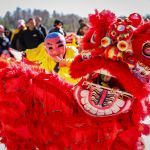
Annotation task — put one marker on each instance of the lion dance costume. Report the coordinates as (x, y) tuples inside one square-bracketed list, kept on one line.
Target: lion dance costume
[(104, 111)]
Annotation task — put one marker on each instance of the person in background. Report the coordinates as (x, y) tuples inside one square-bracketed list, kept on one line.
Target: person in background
[(15, 43), (39, 25), (81, 22), (16, 30), (82, 29), (4, 42), (80, 33), (8, 33), (58, 27), (31, 37)]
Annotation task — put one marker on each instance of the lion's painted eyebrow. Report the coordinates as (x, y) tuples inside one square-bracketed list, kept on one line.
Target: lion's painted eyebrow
[(60, 41), (49, 44)]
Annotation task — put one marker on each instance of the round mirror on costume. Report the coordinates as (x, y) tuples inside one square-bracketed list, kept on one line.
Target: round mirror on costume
[(146, 49)]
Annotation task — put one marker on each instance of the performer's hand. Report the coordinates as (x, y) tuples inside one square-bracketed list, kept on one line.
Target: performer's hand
[(63, 63)]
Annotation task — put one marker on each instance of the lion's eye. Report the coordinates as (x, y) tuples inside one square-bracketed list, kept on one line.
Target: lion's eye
[(146, 49)]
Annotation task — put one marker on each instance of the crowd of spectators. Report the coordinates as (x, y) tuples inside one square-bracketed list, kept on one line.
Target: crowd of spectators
[(29, 34)]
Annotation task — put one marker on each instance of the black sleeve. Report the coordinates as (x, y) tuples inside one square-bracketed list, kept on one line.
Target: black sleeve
[(13, 42), (22, 42), (44, 31), (41, 37)]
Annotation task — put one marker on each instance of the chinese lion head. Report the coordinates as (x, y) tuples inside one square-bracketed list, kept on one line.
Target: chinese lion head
[(114, 64)]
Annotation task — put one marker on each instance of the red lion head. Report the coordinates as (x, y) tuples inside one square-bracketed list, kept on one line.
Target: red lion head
[(114, 64)]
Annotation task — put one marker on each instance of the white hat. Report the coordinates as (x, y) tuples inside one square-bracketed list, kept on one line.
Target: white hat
[(20, 23), (1, 28)]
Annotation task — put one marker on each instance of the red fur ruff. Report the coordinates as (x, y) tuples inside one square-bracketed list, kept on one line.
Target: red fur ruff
[(38, 111), (99, 25), (3, 63)]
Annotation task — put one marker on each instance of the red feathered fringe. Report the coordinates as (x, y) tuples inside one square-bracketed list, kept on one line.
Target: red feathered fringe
[(99, 23), (38, 111), (3, 63)]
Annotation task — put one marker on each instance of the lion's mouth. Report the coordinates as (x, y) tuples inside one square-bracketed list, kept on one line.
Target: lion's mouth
[(101, 99)]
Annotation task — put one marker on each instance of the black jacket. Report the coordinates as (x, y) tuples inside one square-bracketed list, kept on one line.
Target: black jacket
[(4, 44), (31, 38), (42, 29), (16, 41)]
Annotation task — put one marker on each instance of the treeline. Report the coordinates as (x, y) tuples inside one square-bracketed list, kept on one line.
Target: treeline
[(70, 20)]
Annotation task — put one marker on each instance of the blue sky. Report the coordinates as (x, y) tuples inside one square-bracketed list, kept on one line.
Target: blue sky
[(79, 7)]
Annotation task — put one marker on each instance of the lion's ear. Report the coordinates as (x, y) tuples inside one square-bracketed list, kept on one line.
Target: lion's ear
[(141, 43), (99, 23), (136, 19)]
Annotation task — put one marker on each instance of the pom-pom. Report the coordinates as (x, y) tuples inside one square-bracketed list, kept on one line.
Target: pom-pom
[(105, 42), (122, 45), (136, 19)]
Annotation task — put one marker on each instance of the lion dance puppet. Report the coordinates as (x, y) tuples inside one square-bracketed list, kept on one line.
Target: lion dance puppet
[(104, 111)]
